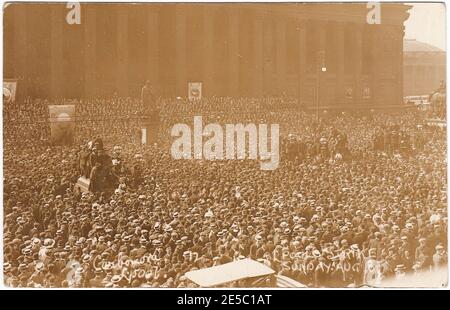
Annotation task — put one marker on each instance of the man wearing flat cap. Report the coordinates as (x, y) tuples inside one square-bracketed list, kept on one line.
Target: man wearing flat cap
[(440, 257)]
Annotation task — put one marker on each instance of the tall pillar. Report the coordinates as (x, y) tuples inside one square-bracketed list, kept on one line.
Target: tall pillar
[(180, 61), (372, 68), (122, 51), (90, 60), (302, 60), (399, 63), (208, 88), (281, 52), (57, 19), (358, 86), (233, 51), (376, 54), (340, 63), (322, 25), (258, 24), (322, 89), (153, 47), (268, 57), (20, 47)]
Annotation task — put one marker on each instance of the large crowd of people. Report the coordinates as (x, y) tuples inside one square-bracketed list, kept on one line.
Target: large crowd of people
[(358, 197)]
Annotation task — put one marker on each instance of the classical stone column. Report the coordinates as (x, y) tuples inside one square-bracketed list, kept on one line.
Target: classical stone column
[(358, 86), (258, 41), (180, 61), (340, 63), (122, 51), (19, 50), (376, 55), (57, 19), (371, 78), (233, 51), (322, 60), (322, 25), (302, 60), (153, 46), (281, 52), (399, 62), (90, 44), (208, 88), (268, 55)]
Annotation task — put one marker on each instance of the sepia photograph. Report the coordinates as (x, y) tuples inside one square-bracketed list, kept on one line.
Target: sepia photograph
[(224, 145)]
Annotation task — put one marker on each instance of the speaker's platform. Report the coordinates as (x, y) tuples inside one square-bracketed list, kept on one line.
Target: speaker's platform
[(83, 184)]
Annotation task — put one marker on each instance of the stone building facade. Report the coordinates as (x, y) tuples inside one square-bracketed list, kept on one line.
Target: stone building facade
[(233, 49), (424, 68)]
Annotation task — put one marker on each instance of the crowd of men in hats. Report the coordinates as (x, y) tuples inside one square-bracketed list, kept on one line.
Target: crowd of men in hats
[(391, 139), (321, 220), (335, 147)]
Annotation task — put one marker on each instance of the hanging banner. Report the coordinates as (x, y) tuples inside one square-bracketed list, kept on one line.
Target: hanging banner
[(62, 124), (195, 90), (9, 90)]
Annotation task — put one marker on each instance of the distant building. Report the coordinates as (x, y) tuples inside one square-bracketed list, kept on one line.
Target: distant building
[(423, 67)]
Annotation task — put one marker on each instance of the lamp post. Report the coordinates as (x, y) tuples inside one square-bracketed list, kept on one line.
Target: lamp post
[(320, 68)]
